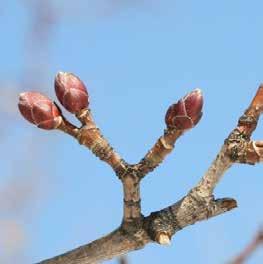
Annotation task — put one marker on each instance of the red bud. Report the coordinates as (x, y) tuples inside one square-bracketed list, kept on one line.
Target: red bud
[(186, 112), (71, 92), (39, 110)]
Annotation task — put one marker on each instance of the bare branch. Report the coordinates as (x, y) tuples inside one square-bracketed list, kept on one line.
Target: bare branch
[(198, 205), (238, 148), (163, 146), (249, 249), (115, 244), (132, 198), (90, 136), (135, 236)]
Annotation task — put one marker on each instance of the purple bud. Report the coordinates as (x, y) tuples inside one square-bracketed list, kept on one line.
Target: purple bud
[(39, 110), (71, 92), (186, 113)]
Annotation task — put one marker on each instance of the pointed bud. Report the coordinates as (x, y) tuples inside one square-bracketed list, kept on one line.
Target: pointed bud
[(39, 110), (186, 113), (71, 92)]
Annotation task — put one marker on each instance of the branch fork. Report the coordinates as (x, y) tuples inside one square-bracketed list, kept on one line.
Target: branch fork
[(136, 230)]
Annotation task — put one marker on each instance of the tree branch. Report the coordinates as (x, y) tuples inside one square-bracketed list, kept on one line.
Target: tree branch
[(90, 136), (163, 147), (249, 249), (114, 244), (237, 148), (199, 204), (180, 117)]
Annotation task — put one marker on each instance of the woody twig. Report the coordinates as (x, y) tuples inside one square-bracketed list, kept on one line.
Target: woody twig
[(136, 230)]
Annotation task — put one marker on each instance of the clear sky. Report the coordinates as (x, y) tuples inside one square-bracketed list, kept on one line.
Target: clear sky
[(137, 58)]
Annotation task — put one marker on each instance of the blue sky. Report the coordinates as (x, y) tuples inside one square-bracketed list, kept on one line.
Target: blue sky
[(136, 59)]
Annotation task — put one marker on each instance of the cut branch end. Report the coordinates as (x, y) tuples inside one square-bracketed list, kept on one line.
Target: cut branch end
[(163, 239)]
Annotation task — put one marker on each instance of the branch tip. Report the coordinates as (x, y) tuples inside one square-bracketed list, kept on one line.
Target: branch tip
[(39, 110), (228, 203), (71, 92)]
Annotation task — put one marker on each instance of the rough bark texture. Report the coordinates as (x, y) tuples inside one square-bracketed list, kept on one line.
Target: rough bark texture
[(114, 244), (199, 204)]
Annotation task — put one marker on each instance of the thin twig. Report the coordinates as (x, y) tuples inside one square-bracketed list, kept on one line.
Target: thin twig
[(198, 205), (249, 249)]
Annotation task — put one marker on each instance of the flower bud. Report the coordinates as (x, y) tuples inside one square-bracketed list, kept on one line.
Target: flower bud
[(39, 110), (186, 113), (71, 92)]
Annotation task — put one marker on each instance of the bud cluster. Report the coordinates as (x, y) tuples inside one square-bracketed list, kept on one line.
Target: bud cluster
[(42, 112), (72, 94)]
